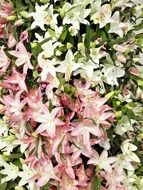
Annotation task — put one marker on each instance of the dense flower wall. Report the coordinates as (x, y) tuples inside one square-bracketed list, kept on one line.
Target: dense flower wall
[(71, 95)]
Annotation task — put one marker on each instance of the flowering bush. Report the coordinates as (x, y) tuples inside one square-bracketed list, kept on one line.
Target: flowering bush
[(71, 86)]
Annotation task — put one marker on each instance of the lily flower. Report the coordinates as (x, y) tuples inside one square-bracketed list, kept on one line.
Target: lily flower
[(4, 61), (48, 121), (102, 16), (17, 79), (11, 171), (102, 161), (23, 57)]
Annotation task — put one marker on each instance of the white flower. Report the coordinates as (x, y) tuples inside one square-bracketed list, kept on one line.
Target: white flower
[(73, 31), (105, 144), (39, 16), (75, 15), (124, 125), (112, 73), (102, 16), (68, 65), (11, 171), (125, 160), (3, 127), (102, 161), (47, 65), (128, 147), (8, 143), (86, 69), (51, 19), (96, 54), (118, 27), (26, 176)]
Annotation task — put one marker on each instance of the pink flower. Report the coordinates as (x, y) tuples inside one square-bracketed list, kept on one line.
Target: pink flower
[(17, 79), (23, 57), (114, 178), (48, 121), (11, 41), (19, 22), (34, 100), (81, 175), (4, 61), (65, 164), (68, 183), (24, 36), (78, 147), (94, 108), (6, 9), (13, 106), (68, 102), (45, 173), (61, 139), (85, 128)]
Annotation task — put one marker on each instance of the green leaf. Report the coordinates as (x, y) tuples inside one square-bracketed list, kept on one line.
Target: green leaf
[(36, 146), (45, 187), (63, 35), (88, 36), (50, 105), (15, 34), (96, 183), (103, 36), (11, 185), (3, 186)]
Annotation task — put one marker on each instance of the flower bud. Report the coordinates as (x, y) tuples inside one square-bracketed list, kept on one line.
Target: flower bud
[(11, 18)]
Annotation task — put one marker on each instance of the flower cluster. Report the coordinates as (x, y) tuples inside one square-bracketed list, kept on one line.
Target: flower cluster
[(71, 95)]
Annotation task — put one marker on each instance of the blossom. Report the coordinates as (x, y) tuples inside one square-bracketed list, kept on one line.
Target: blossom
[(4, 61), (23, 57), (70, 94), (75, 15), (65, 164), (51, 18), (8, 143), (46, 173), (82, 177), (68, 65), (48, 67), (102, 16), (48, 121), (86, 128), (112, 73), (124, 125), (13, 106), (16, 78), (11, 171), (6, 9), (26, 174), (125, 160), (68, 183), (39, 16), (118, 27), (102, 161)]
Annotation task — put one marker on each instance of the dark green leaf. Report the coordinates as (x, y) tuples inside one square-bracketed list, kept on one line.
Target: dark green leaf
[(88, 36), (36, 146), (63, 35), (96, 183)]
